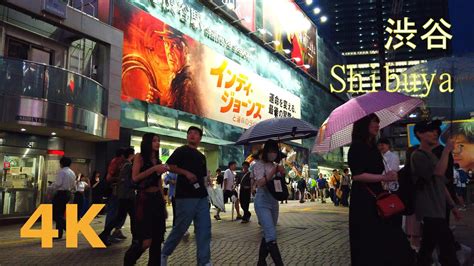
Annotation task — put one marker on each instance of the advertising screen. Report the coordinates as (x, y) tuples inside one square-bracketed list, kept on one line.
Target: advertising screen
[(163, 66)]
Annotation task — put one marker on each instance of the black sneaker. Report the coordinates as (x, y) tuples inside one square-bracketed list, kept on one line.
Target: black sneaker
[(118, 234), (217, 217), (244, 221), (239, 217), (105, 239)]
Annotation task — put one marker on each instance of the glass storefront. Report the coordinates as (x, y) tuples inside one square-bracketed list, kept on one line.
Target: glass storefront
[(21, 180)]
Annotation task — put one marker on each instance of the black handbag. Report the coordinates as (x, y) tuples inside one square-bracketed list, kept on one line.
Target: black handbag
[(278, 188)]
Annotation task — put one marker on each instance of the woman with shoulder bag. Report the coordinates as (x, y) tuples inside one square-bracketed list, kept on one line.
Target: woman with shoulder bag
[(374, 240), (266, 206)]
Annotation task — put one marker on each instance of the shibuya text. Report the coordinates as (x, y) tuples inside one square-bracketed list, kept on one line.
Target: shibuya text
[(410, 83)]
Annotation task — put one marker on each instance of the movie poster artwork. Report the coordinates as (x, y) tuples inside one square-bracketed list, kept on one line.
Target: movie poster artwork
[(292, 34), (163, 66)]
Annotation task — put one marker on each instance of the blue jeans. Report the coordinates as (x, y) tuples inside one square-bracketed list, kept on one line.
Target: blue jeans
[(267, 208), (191, 210)]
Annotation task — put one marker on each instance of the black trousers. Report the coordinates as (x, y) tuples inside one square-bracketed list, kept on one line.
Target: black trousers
[(150, 213), (345, 195), (125, 206), (79, 201), (60, 200), (245, 203), (436, 233)]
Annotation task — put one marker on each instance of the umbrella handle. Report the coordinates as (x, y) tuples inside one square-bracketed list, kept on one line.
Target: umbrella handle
[(293, 132)]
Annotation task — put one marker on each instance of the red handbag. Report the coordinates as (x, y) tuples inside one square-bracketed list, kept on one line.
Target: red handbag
[(387, 204)]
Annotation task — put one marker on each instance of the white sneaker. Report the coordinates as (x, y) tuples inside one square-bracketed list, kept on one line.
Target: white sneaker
[(186, 235), (164, 260), (463, 254), (208, 264)]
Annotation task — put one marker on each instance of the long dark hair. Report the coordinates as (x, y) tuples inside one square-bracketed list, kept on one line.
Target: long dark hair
[(360, 131), (270, 145), (146, 148)]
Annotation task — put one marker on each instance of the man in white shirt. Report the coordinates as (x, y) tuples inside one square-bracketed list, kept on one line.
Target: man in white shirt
[(390, 160), (229, 187), (64, 184)]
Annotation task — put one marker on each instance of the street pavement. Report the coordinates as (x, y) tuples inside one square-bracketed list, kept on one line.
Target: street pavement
[(308, 234)]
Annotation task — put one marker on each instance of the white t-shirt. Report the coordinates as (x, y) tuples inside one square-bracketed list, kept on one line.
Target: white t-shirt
[(229, 175), (392, 162), (261, 169), (81, 186)]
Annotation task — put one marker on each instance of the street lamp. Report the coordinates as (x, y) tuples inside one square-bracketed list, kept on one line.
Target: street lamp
[(316, 10), (306, 66), (324, 19), (246, 19), (261, 31), (276, 42), (228, 5), (309, 2), (297, 59)]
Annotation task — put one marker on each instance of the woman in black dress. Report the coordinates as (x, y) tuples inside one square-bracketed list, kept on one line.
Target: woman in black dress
[(373, 240), (150, 209)]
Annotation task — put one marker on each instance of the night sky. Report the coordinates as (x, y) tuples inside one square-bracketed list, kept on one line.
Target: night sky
[(462, 20), (461, 14)]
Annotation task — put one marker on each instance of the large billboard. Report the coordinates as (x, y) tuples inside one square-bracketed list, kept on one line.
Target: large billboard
[(242, 11), (163, 66), (291, 33), (462, 132)]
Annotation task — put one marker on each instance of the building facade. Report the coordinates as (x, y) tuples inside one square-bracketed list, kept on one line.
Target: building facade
[(59, 95)]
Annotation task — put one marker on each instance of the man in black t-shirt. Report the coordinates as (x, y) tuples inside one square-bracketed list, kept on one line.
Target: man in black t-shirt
[(192, 203), (245, 181)]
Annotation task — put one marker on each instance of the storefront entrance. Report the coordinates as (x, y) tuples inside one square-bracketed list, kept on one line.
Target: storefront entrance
[(21, 180)]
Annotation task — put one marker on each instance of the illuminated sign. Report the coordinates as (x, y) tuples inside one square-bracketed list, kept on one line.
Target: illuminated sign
[(194, 19), (161, 65)]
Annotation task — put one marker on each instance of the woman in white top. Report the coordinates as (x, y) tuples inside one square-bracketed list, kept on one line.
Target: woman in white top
[(266, 206), (81, 185)]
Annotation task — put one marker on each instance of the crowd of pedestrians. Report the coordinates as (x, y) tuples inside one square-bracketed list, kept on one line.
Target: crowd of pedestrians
[(134, 188)]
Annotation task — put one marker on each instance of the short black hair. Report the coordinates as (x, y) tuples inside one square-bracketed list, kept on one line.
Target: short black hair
[(384, 141), (65, 162), (335, 170), (231, 163), (246, 164), (196, 129), (119, 152), (346, 170), (218, 170), (128, 151)]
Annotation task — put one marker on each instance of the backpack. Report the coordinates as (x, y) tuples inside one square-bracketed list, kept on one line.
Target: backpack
[(126, 171), (407, 186)]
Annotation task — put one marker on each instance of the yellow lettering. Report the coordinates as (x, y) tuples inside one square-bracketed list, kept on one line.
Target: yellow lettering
[(388, 78), (351, 78), (426, 84), (449, 87), (46, 233), (74, 227), (338, 78)]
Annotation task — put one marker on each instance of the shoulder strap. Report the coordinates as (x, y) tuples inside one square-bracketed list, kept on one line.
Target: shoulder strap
[(370, 191)]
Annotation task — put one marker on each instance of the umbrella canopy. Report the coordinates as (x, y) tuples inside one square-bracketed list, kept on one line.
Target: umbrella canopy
[(460, 102), (279, 129), (336, 131)]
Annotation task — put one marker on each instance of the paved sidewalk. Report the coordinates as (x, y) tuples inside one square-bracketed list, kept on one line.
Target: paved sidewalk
[(308, 234)]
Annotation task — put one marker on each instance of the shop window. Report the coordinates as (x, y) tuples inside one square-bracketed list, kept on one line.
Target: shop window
[(19, 184)]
